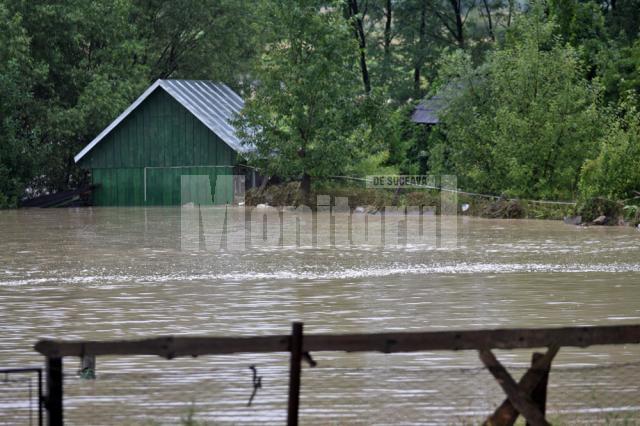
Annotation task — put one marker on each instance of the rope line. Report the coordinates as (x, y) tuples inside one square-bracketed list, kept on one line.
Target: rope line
[(457, 191)]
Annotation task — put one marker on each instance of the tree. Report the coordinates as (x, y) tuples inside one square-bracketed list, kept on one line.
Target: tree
[(90, 50), (100, 55), (19, 73), (356, 18), (623, 18), (523, 122), (615, 172), (305, 107), (421, 42), (619, 69), (208, 39)]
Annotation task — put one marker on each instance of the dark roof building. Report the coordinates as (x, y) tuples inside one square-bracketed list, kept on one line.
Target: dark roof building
[(427, 111), (175, 128)]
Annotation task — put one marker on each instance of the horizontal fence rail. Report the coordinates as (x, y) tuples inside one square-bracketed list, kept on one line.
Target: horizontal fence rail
[(171, 347), (526, 397)]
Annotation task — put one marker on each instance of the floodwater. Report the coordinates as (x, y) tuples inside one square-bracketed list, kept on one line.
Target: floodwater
[(120, 273)]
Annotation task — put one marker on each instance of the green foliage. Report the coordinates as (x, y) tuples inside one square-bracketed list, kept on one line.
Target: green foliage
[(526, 83), (619, 68), (405, 144), (524, 121), (197, 39), (19, 154), (615, 171), (623, 20), (631, 214), (308, 116), (578, 21), (373, 164), (69, 68), (592, 208)]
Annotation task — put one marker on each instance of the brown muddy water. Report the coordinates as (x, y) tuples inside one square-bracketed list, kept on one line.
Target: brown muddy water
[(120, 273)]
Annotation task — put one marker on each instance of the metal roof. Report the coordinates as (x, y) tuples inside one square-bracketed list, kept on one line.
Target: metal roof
[(427, 111), (214, 104)]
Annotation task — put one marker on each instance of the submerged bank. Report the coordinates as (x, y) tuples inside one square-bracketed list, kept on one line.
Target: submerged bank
[(373, 200), (594, 211)]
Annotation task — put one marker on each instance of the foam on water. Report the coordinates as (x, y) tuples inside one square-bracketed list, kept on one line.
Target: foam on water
[(345, 274)]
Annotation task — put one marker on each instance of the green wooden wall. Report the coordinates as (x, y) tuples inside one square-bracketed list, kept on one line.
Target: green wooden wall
[(140, 162)]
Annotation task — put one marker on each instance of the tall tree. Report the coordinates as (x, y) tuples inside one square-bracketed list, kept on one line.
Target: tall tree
[(20, 157), (100, 55), (301, 114), (356, 13), (525, 121), (453, 16), (89, 49), (388, 33), (420, 41), (615, 171), (213, 39)]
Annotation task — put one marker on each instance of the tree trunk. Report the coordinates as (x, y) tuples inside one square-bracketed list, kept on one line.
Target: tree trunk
[(511, 6), (419, 58), (456, 5), (305, 185), (387, 31), (305, 182), (353, 13), (489, 20)]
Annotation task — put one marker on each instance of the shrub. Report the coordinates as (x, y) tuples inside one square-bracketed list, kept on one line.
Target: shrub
[(592, 208), (615, 172)]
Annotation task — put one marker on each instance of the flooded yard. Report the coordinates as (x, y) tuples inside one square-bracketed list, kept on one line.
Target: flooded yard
[(119, 273)]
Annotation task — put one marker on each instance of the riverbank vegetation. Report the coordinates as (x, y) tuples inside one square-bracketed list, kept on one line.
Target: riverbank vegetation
[(541, 97), (374, 200)]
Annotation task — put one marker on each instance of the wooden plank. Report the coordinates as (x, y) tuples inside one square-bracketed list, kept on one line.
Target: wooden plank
[(132, 136), (173, 156), (146, 134), (165, 127), (139, 160), (186, 150), (506, 414), (539, 393), (138, 186), (520, 399), (106, 187), (212, 149), (475, 339), (167, 347), (119, 141), (54, 396), (171, 186), (121, 186), (377, 342), (96, 179), (295, 372)]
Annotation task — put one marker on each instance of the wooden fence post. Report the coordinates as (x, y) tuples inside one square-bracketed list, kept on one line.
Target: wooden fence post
[(539, 394), (40, 398), (54, 391), (294, 374), (88, 367)]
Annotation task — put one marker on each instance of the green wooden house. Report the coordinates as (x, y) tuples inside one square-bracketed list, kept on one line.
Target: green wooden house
[(176, 128)]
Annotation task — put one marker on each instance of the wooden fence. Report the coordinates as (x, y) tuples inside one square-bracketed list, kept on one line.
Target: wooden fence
[(526, 397)]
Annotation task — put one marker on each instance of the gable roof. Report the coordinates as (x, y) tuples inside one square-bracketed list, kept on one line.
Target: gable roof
[(429, 110), (214, 104)]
